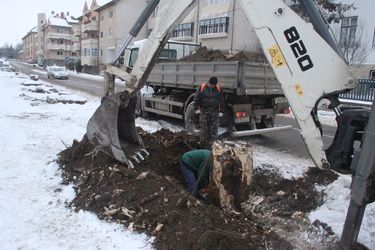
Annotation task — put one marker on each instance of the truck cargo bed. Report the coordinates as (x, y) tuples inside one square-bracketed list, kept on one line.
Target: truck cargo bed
[(243, 78)]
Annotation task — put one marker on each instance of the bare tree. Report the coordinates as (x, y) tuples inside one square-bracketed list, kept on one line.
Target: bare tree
[(331, 10), (354, 45)]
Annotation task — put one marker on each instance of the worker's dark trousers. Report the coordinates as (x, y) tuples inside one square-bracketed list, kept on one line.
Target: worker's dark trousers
[(189, 177), (209, 122)]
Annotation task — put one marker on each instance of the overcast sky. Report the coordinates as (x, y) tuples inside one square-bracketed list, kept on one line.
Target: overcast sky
[(20, 16)]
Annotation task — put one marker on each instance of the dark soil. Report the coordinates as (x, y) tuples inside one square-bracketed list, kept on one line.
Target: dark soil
[(205, 55), (152, 199)]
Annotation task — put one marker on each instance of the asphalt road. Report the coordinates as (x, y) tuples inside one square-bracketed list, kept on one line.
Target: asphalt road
[(92, 86), (289, 141)]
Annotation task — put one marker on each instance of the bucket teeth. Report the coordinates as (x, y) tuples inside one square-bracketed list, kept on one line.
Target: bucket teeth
[(130, 164), (136, 159), (145, 151), (140, 156)]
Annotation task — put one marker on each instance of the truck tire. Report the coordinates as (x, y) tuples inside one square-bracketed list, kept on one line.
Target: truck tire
[(266, 123), (192, 120)]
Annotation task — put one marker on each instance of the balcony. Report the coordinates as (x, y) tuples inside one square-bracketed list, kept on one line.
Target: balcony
[(64, 36), (76, 33), (76, 47), (63, 47), (91, 26), (75, 39), (90, 43)]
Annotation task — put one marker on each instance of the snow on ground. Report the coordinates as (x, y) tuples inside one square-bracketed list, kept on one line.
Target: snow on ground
[(33, 210), (288, 166), (333, 211)]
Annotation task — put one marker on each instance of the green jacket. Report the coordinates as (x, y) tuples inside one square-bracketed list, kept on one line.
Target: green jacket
[(200, 162)]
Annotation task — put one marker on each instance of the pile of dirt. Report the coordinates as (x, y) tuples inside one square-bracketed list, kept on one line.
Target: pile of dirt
[(151, 198), (205, 55)]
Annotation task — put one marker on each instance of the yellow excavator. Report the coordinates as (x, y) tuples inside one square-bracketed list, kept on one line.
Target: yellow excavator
[(308, 64)]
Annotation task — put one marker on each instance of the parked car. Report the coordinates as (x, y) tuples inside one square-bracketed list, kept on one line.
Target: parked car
[(57, 72), (5, 65)]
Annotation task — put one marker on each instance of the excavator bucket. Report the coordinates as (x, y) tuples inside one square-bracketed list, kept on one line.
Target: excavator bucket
[(112, 129)]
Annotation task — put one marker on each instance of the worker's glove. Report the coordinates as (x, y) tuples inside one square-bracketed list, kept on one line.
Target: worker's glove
[(221, 114), (197, 112)]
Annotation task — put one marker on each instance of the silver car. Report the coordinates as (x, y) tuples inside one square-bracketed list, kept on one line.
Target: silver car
[(57, 72)]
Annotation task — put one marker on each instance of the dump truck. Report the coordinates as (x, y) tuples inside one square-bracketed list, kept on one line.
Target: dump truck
[(252, 93)]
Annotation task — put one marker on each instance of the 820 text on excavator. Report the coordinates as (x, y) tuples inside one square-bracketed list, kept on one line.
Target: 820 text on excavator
[(306, 61)]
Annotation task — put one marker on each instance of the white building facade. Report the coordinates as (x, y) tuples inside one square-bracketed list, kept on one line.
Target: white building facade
[(357, 32)]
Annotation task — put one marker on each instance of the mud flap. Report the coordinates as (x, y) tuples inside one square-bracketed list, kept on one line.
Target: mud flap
[(112, 128)]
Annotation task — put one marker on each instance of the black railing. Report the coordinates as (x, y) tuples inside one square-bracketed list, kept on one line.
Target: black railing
[(365, 91)]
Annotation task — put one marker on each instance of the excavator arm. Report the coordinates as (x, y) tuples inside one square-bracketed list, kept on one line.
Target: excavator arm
[(305, 64), (112, 127), (307, 67)]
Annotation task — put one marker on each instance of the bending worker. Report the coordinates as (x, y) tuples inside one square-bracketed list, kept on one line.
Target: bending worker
[(208, 103), (195, 166)]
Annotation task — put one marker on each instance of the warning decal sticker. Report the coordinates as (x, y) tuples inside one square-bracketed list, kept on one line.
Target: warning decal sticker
[(277, 58)]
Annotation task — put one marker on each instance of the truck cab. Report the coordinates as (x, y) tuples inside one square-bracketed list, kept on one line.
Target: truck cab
[(173, 50)]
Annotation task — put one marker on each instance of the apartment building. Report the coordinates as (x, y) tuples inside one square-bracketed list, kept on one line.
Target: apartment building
[(56, 39), (75, 37), (116, 19), (89, 38), (217, 24), (30, 46)]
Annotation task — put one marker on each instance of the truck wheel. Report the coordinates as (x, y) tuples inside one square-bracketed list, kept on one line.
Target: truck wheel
[(192, 121), (266, 123)]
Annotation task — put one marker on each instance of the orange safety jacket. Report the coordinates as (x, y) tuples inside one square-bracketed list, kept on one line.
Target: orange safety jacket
[(208, 99)]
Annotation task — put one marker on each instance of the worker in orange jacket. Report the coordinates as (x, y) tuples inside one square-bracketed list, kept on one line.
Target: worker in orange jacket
[(208, 103)]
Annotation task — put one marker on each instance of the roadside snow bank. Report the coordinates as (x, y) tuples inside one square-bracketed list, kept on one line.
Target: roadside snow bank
[(33, 210), (333, 211)]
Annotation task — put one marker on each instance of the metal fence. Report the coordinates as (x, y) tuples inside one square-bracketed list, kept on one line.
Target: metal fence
[(365, 91)]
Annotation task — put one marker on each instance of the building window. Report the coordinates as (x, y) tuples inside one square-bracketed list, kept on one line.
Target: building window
[(102, 18), (184, 30), (101, 52), (110, 32), (348, 30), (59, 53), (101, 34), (373, 41), (94, 52), (215, 25), (61, 41), (111, 13), (86, 52)]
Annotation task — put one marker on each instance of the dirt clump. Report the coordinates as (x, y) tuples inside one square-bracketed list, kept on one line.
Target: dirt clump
[(205, 55), (151, 197)]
